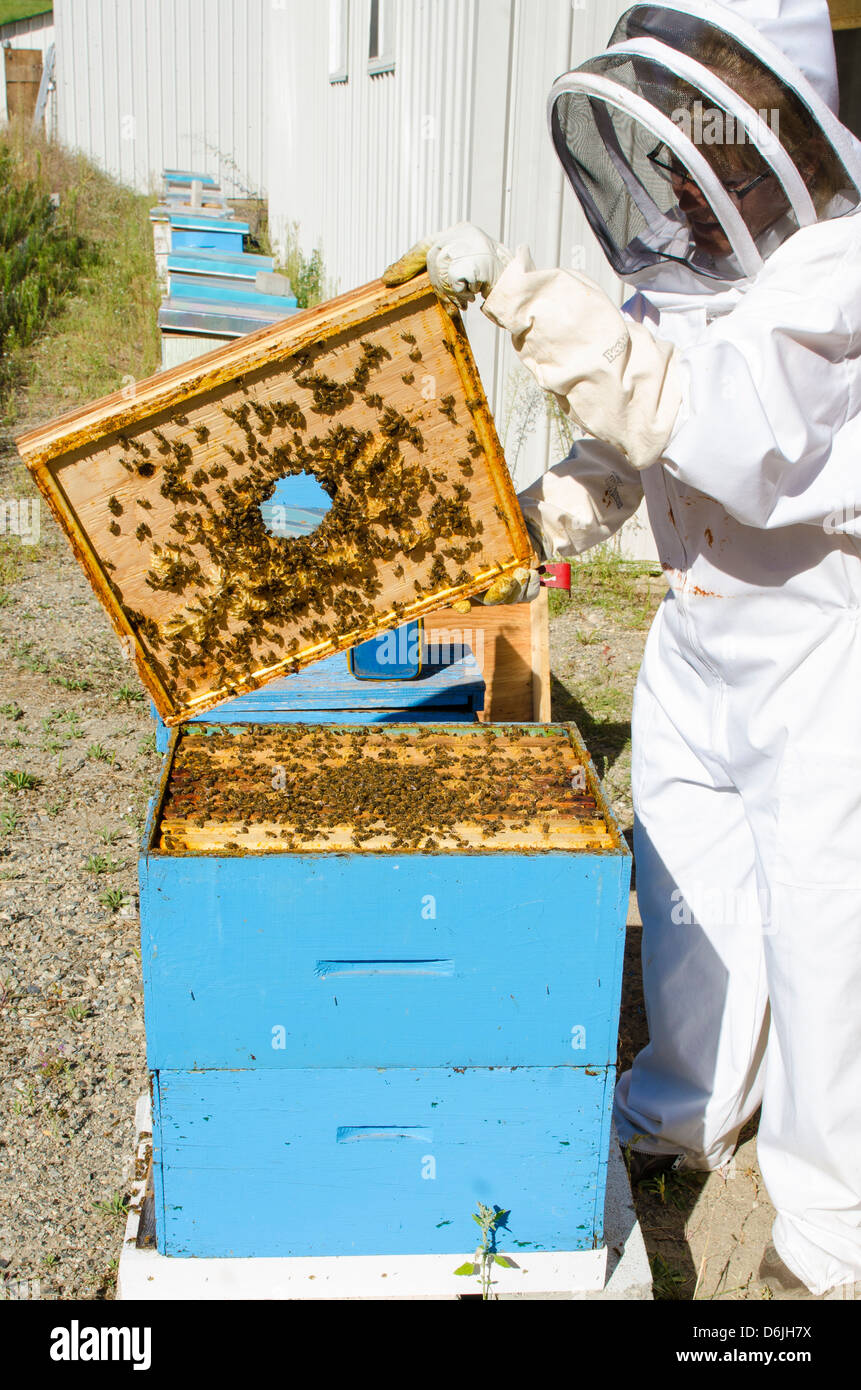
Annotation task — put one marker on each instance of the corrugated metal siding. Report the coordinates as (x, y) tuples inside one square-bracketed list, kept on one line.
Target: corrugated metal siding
[(458, 131), (144, 84), (37, 32)]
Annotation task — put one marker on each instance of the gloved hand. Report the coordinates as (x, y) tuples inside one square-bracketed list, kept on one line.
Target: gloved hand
[(462, 262), (522, 586)]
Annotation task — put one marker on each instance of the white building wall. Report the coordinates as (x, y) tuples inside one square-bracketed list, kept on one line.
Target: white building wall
[(148, 84), (37, 32), (457, 131)]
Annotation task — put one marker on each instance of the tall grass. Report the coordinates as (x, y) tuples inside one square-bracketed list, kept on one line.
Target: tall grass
[(99, 330), (41, 257)]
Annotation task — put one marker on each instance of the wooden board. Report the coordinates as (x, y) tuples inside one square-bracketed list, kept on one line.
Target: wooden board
[(511, 644), (158, 489), (23, 74), (275, 789)]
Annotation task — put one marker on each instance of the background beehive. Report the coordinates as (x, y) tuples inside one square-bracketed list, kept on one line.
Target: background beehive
[(159, 491)]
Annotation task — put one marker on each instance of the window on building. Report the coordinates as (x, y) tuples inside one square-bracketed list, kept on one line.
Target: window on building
[(339, 38), (381, 37)]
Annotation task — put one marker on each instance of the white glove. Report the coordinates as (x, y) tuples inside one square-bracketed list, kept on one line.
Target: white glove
[(462, 262)]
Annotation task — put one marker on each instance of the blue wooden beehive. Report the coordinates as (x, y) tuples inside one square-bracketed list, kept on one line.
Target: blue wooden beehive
[(208, 233), (354, 1040), (451, 690)]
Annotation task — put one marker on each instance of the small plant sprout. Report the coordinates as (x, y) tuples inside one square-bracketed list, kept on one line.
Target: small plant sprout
[(98, 753), (128, 694), (116, 1206), (488, 1220), (19, 781), (12, 710), (8, 822), (78, 1012), (54, 1066), (102, 864), (74, 682), (109, 835), (114, 898)]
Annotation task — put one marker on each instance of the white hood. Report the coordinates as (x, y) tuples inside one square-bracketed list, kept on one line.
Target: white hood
[(802, 30), (619, 113)]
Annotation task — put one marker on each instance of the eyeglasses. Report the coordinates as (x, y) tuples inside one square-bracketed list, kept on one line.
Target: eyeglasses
[(679, 175)]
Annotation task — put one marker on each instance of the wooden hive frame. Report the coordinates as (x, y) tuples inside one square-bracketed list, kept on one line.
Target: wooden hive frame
[(542, 793), (124, 475)]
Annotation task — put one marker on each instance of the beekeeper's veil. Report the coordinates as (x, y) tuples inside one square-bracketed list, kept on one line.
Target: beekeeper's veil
[(698, 110)]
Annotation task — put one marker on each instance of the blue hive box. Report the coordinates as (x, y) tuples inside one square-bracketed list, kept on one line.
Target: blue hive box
[(449, 687), (351, 1042)]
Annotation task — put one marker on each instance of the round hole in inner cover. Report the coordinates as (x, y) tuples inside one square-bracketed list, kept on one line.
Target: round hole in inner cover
[(296, 507)]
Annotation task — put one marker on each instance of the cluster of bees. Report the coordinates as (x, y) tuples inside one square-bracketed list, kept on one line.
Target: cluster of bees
[(241, 586), (412, 787)]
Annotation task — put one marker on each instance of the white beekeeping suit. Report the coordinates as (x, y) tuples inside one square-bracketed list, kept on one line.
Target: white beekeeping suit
[(703, 147), (729, 393)]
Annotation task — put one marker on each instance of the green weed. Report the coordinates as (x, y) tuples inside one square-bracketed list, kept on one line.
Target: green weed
[(101, 864), (114, 898), (116, 1206), (128, 694), (16, 781)]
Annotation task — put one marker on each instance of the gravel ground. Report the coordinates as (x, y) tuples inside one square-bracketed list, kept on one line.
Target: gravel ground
[(71, 1021)]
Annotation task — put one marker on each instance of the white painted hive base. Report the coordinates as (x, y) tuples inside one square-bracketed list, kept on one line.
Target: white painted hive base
[(619, 1270)]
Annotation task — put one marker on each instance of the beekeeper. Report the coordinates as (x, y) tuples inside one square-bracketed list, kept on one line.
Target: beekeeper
[(704, 150)]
